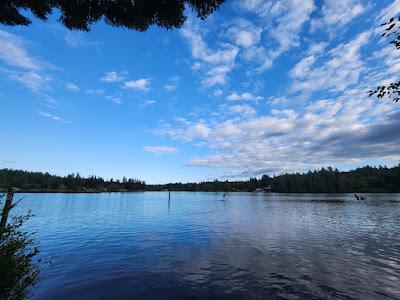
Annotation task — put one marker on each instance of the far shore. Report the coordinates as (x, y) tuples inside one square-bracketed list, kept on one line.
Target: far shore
[(164, 191), (119, 191), (71, 191)]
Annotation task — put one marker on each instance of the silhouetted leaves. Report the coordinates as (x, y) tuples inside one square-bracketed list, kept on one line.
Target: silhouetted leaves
[(79, 14), (391, 91), (392, 28)]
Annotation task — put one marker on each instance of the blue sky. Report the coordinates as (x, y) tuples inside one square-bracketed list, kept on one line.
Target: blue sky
[(260, 87)]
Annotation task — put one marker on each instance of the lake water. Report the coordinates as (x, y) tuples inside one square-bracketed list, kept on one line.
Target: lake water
[(249, 246)]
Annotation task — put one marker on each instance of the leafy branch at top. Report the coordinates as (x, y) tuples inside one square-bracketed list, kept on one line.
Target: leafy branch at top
[(137, 15)]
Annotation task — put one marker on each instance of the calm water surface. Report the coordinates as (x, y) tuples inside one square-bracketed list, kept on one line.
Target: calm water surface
[(250, 246)]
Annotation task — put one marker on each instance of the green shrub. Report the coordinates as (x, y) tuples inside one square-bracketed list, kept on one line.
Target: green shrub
[(19, 266)]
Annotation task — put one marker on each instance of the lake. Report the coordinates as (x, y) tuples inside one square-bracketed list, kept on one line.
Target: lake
[(204, 246)]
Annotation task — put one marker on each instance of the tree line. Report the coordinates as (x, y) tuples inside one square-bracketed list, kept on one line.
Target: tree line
[(327, 180), (366, 179), (38, 181)]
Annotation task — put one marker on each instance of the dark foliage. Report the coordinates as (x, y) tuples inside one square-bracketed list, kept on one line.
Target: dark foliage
[(19, 267), (392, 28), (366, 179), (391, 91), (250, 185), (81, 14), (32, 181)]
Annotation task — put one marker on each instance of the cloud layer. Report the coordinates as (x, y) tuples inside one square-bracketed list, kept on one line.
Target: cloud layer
[(160, 149), (261, 86), (323, 116)]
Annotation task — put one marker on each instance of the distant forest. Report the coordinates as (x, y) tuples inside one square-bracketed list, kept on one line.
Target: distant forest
[(326, 180)]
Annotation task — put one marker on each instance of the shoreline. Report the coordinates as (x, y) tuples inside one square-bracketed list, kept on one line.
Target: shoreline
[(180, 191)]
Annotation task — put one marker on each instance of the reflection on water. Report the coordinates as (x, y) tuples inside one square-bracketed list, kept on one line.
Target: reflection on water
[(250, 246)]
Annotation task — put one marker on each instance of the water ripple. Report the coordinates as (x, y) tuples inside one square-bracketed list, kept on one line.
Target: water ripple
[(250, 246)]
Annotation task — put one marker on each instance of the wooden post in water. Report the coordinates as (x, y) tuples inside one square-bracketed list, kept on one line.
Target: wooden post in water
[(169, 199), (6, 208)]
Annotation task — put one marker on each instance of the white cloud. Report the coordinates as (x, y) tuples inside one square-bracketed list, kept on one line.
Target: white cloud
[(94, 91), (172, 84), (209, 161), (191, 132), (342, 68), (218, 93), (170, 87), (338, 13), (139, 84), (49, 101), (53, 117), (259, 42), (216, 76), (72, 87), (244, 109), (244, 33), (13, 52), (217, 63), (22, 66), (343, 130), (390, 59), (175, 78), (390, 11), (113, 76), (304, 65), (76, 39), (183, 120), (8, 162), (226, 129), (114, 99), (146, 102), (324, 115), (198, 130), (200, 49), (244, 96), (33, 80), (160, 149), (283, 21), (280, 101)]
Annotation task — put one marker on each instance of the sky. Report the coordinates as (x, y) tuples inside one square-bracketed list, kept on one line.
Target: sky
[(259, 87)]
